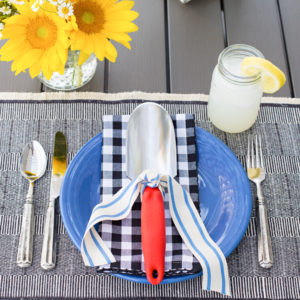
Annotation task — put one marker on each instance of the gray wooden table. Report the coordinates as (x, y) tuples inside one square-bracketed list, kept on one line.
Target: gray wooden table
[(177, 46)]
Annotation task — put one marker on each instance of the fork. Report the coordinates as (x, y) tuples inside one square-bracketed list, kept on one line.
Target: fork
[(256, 173)]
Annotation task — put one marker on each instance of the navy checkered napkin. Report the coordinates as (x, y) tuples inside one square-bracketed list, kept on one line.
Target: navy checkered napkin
[(124, 237)]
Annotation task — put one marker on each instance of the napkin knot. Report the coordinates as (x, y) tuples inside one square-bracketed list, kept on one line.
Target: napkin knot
[(184, 215), (153, 179)]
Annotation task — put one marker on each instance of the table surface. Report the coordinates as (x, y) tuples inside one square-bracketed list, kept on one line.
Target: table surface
[(177, 45)]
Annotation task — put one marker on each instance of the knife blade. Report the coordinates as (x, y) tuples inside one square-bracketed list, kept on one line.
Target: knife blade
[(59, 166)]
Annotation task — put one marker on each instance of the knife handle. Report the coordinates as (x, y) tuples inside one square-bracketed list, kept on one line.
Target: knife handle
[(24, 256), (153, 234), (48, 258)]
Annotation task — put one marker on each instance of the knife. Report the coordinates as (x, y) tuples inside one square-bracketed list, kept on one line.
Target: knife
[(151, 145), (59, 165)]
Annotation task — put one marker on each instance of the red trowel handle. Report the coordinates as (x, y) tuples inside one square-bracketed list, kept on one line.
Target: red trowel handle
[(153, 234)]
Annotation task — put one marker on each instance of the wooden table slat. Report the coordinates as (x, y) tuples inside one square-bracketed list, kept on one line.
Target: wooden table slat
[(290, 13), (143, 67), (195, 40), (257, 23)]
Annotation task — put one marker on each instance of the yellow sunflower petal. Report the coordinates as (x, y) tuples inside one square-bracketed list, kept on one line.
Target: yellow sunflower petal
[(35, 69), (129, 15), (29, 58), (120, 26), (48, 7), (18, 71), (24, 8), (11, 50), (62, 54), (99, 52), (45, 66), (99, 46), (122, 5), (107, 3), (9, 45), (77, 40), (60, 65), (110, 48), (14, 54), (120, 36), (63, 39), (14, 66), (126, 44), (61, 69), (88, 46), (82, 57), (17, 63), (16, 19), (53, 61), (35, 56), (13, 31), (110, 58)]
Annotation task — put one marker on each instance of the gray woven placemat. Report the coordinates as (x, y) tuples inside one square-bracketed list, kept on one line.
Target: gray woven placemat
[(24, 120)]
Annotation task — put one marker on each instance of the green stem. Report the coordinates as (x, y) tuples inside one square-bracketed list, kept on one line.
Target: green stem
[(80, 76), (74, 69), (46, 10)]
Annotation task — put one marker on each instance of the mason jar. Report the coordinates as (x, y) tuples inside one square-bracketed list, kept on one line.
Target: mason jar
[(234, 99)]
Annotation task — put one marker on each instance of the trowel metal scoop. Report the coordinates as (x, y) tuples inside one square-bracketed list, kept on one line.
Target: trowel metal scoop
[(151, 145)]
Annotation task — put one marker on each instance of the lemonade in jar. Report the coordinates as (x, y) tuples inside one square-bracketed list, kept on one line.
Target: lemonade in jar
[(239, 79), (234, 98)]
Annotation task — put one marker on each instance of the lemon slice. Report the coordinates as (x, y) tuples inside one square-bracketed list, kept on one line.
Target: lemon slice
[(272, 77)]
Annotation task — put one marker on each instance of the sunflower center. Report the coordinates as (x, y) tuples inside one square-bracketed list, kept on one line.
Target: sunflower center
[(41, 33), (89, 16)]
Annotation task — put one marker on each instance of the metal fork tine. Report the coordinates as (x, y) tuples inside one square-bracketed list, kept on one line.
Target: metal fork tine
[(260, 153), (257, 149), (248, 152)]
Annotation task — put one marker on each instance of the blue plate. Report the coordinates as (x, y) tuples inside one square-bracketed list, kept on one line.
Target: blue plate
[(224, 193)]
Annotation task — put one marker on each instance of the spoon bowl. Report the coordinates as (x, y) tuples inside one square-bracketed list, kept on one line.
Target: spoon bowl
[(33, 161), (33, 165)]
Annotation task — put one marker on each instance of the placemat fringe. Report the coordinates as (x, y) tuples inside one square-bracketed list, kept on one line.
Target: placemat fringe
[(135, 95)]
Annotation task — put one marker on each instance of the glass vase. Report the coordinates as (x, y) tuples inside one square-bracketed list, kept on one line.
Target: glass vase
[(75, 76)]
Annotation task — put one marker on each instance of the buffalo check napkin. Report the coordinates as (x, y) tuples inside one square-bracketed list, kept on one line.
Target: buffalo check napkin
[(124, 236), (119, 248)]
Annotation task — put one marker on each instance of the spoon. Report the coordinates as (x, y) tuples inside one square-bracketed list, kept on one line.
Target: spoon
[(32, 166)]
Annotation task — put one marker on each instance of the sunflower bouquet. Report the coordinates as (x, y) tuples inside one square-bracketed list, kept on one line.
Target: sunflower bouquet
[(41, 33)]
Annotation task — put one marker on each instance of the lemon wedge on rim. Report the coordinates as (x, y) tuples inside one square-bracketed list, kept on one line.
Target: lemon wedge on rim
[(272, 77)]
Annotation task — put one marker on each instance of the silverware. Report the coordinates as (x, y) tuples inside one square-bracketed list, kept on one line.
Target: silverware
[(32, 166), (151, 145), (59, 165), (256, 173)]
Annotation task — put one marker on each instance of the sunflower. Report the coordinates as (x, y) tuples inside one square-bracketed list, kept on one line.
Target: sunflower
[(100, 21), (37, 41)]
